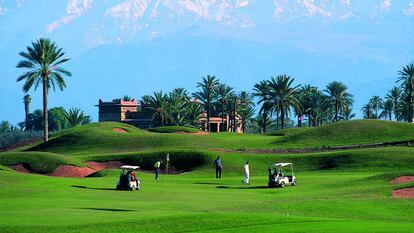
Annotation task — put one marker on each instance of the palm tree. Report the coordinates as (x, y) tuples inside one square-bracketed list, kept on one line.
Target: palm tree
[(407, 81), (26, 100), (367, 110), (347, 114), (192, 114), (206, 95), (394, 95), (246, 113), (245, 105), (338, 96), (261, 90), (283, 95), (319, 108), (388, 107), (42, 62), (76, 117), (376, 104), (264, 122), (224, 93), (158, 103), (177, 101), (127, 98)]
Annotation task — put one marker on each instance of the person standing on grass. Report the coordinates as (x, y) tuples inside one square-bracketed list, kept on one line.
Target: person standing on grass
[(217, 164), (246, 174), (157, 169)]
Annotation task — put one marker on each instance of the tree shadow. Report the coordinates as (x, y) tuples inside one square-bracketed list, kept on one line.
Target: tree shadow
[(208, 183), (84, 187), (107, 209)]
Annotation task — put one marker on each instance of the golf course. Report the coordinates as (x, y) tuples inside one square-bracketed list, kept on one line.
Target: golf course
[(344, 173)]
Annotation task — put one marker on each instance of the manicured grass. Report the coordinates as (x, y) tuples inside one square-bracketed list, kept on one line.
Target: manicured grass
[(338, 191), (41, 162), (322, 202), (100, 138), (173, 129)]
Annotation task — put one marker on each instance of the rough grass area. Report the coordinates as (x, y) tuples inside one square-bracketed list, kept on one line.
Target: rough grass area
[(40, 162), (173, 129)]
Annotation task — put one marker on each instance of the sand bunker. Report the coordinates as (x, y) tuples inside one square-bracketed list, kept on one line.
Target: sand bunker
[(119, 130), (72, 171), (403, 193), (403, 179), (20, 167)]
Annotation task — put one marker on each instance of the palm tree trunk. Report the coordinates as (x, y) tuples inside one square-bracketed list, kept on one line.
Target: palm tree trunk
[(282, 117), (396, 110), (234, 115), (45, 114), (264, 121), (336, 110), (208, 116), (222, 116), (26, 110), (410, 107)]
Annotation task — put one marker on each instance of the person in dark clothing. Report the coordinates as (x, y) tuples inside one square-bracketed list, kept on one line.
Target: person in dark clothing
[(217, 164)]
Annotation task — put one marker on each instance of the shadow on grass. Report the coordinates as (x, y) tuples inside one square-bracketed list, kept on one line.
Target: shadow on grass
[(209, 183), (107, 209), (84, 187), (247, 187)]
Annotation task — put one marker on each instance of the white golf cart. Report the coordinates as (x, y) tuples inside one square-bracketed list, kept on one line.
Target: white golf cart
[(277, 177), (128, 180)]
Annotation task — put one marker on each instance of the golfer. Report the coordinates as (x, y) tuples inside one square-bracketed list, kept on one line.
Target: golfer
[(246, 173), (217, 164), (157, 169)]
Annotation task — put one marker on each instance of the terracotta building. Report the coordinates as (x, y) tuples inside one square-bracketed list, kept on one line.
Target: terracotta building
[(134, 113)]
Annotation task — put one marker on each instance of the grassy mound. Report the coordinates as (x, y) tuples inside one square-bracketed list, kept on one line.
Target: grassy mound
[(40, 162), (346, 133), (173, 129), (182, 160)]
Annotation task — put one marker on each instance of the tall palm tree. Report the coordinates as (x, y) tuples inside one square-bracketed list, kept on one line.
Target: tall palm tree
[(319, 108), (394, 95), (224, 93), (407, 81), (376, 104), (158, 104), (387, 108), (26, 100), (42, 62), (338, 96), (206, 94), (283, 95)]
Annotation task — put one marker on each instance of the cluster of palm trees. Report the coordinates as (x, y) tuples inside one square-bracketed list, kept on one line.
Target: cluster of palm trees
[(398, 102), (181, 108), (279, 97)]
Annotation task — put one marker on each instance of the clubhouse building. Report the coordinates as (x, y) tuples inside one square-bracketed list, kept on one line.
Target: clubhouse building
[(134, 113)]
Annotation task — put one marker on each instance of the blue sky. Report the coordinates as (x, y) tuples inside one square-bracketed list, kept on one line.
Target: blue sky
[(136, 47)]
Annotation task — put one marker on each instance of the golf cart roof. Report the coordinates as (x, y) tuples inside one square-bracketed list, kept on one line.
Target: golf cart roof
[(281, 164), (129, 167)]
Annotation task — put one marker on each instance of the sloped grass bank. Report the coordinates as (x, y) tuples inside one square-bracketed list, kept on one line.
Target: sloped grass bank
[(39, 162), (173, 129), (182, 160), (355, 132)]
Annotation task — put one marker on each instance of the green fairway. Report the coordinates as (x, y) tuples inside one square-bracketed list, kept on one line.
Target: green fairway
[(345, 202), (341, 191)]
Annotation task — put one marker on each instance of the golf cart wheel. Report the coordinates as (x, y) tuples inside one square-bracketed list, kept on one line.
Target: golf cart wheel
[(282, 184), (294, 183)]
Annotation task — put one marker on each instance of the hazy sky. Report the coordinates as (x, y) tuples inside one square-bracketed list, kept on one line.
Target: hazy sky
[(136, 47)]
